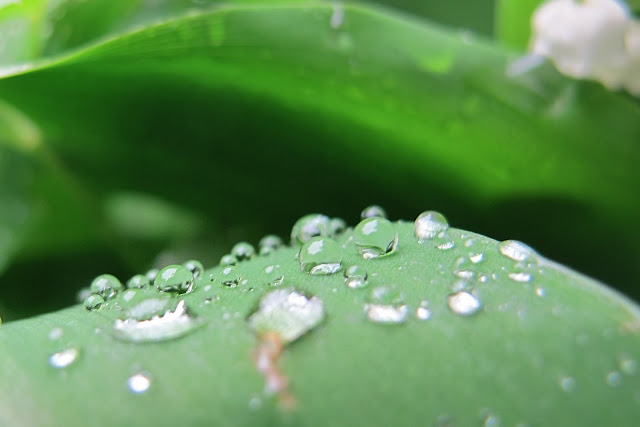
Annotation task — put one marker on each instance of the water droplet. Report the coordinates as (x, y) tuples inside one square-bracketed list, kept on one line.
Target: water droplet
[(567, 384), (55, 334), (243, 251), (309, 226), (464, 274), (144, 304), (614, 378), (273, 275), (373, 211), (476, 258), (288, 313), (151, 274), (138, 281), (106, 285), (449, 244), (464, 303), (139, 383), (515, 250), (355, 277), (337, 16), (320, 255), (540, 292), (228, 260), (627, 364), (429, 224), (174, 278), (172, 324), (255, 403), (387, 313), (82, 295), (422, 312), (337, 226), (230, 276), (93, 302), (268, 244), (375, 237), (64, 358), (520, 277), (195, 267)]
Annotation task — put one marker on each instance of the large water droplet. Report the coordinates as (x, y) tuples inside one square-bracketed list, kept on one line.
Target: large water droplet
[(230, 276), (64, 358), (288, 313), (373, 211), (106, 285), (320, 255), (138, 281), (174, 278), (243, 251), (429, 224), (375, 237), (356, 277), (387, 313), (93, 302), (268, 244), (309, 226), (273, 275), (139, 383), (172, 324), (195, 267), (515, 250), (228, 260), (464, 303)]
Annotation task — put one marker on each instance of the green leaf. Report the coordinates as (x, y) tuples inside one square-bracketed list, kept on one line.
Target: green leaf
[(513, 21), (384, 107), (547, 346)]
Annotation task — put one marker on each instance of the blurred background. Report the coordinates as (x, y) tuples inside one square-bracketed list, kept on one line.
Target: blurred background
[(104, 170)]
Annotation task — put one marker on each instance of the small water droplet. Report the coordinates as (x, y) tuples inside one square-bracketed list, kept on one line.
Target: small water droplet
[(356, 277), (464, 274), (273, 275), (373, 211), (268, 244), (173, 324), (55, 333), (64, 358), (106, 285), (476, 258), (230, 276), (139, 383), (429, 224), (174, 278), (540, 292), (520, 277), (469, 242), (567, 384), (337, 226), (243, 251), (375, 237), (138, 281), (422, 312), (288, 313), (93, 302), (195, 267), (228, 260), (314, 225), (614, 378), (627, 364), (320, 256), (516, 250), (464, 303), (387, 313), (255, 403), (450, 244)]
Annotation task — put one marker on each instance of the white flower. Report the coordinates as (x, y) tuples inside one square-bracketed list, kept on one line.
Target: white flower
[(593, 39)]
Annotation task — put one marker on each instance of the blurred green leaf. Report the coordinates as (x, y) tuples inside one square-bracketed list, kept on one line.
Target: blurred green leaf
[(339, 106), (513, 22), (548, 346)]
